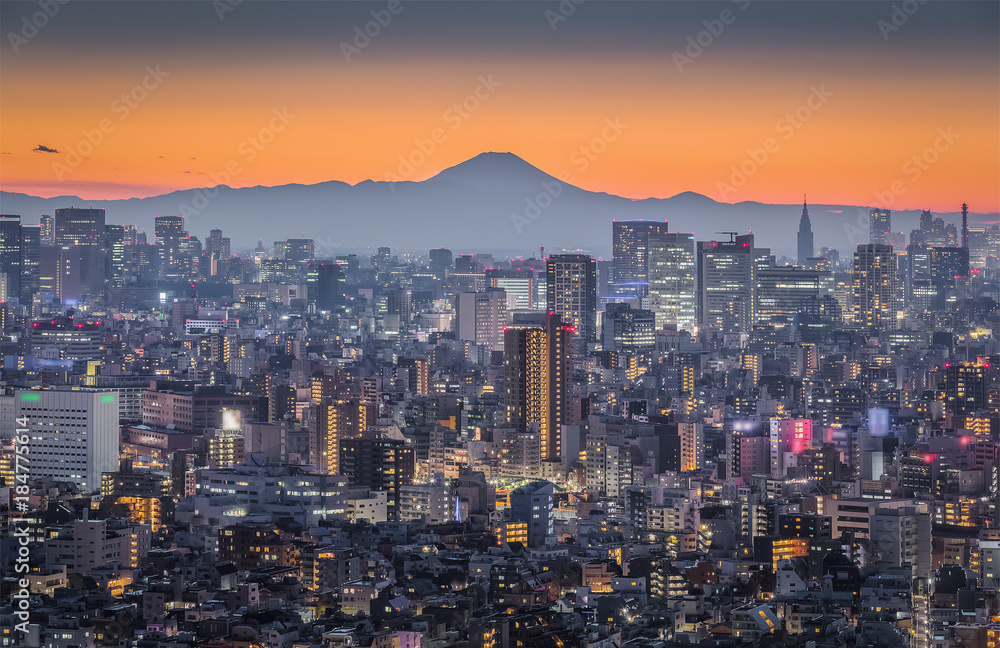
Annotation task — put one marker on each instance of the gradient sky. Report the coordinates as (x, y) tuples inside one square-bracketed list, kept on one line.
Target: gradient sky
[(889, 98)]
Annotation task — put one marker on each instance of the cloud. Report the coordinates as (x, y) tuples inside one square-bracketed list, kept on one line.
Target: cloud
[(41, 148)]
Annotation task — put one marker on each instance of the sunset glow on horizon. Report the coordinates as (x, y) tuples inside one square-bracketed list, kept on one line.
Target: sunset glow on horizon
[(845, 122)]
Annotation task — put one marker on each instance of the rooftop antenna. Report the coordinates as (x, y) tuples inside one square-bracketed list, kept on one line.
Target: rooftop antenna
[(732, 235)]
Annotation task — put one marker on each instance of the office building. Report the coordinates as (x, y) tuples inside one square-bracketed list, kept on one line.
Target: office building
[(726, 278), (61, 273), (299, 250), (114, 255), (781, 291), (48, 229), (378, 463), (399, 304), (571, 293), (10, 257), (31, 261), (628, 329), (74, 434), (519, 283), (441, 262), (67, 339), (630, 248), (480, 317), (672, 285), (875, 285), (880, 226), (538, 372), (169, 232), (325, 285)]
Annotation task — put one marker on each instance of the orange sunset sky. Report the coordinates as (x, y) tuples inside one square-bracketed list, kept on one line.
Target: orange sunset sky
[(886, 97)]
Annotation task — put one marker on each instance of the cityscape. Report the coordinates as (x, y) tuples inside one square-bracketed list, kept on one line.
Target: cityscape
[(296, 365)]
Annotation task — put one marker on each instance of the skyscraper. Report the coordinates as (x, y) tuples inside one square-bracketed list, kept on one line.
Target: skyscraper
[(114, 259), (325, 285), (81, 231), (75, 226), (538, 370), (300, 250), (571, 292), (630, 247), (880, 224), (805, 235), (875, 284), (169, 231), (10, 257), (672, 280), (31, 259), (727, 284), (47, 223), (441, 260)]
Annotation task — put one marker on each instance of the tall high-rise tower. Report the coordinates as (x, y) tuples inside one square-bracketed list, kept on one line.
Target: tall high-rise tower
[(875, 287), (672, 280), (169, 231), (571, 291), (47, 224), (727, 284), (82, 231), (10, 257), (538, 370), (805, 234), (880, 226), (630, 248)]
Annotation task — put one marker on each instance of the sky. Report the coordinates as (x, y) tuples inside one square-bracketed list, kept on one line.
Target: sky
[(851, 102)]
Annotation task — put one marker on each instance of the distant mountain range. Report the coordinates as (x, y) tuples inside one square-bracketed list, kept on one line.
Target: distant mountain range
[(492, 202)]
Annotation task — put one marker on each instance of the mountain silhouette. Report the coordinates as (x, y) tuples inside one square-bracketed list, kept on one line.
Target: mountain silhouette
[(492, 202)]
